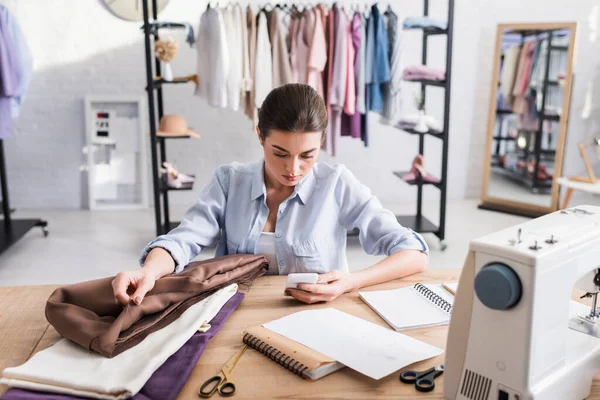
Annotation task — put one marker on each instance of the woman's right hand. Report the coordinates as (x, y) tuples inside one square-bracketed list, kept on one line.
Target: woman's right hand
[(133, 285)]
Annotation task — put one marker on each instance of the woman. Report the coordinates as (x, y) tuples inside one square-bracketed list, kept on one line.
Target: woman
[(288, 207)]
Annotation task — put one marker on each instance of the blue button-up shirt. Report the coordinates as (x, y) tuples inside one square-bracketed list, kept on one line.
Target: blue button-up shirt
[(312, 223)]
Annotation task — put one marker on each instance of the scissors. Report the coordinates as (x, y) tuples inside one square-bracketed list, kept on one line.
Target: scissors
[(222, 381), (424, 380)]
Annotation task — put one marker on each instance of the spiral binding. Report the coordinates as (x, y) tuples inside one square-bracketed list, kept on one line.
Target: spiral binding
[(433, 297), (280, 358)]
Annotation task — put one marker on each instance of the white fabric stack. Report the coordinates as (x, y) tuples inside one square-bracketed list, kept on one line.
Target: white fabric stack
[(68, 368)]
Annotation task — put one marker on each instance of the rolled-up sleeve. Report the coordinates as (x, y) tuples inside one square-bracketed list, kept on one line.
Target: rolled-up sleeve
[(200, 226), (380, 232)]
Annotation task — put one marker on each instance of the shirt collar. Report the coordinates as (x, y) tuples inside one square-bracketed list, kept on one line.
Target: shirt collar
[(303, 189)]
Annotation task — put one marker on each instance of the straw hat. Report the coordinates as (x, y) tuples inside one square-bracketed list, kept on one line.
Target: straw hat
[(174, 125)]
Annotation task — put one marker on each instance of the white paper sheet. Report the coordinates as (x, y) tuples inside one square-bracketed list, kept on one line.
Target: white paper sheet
[(361, 345)]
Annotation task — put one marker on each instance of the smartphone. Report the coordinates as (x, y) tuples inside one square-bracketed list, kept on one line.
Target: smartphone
[(307, 277)]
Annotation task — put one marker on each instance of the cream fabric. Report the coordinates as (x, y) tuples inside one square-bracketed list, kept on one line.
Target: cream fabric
[(263, 81), (70, 369)]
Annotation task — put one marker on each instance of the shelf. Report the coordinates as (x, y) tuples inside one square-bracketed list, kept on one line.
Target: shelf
[(551, 117), (19, 228), (400, 174), (429, 31), (526, 179), (174, 137), (159, 81), (432, 132), (163, 188), (510, 139), (417, 224), (427, 82), (562, 48)]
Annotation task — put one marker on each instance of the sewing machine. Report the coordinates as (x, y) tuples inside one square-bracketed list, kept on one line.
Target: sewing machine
[(514, 332)]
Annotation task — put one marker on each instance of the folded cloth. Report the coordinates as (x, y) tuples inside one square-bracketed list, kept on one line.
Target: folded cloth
[(423, 72), (87, 314), (411, 120), (69, 369), (424, 22)]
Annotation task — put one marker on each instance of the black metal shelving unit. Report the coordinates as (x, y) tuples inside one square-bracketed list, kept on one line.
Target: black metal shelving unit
[(11, 230), (522, 175), (154, 85), (418, 222)]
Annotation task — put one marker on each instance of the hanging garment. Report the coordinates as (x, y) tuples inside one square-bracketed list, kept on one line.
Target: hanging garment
[(317, 54), (369, 66), (381, 62), (392, 90), (23, 55), (69, 369), (350, 98), (301, 46), (282, 71), (246, 84), (509, 72), (329, 144), (337, 91), (360, 85), (263, 68), (250, 108), (10, 72), (324, 11), (233, 27), (351, 120), (87, 314), (212, 58)]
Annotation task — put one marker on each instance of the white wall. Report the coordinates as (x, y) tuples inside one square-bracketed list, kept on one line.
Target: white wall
[(80, 48), (586, 71)]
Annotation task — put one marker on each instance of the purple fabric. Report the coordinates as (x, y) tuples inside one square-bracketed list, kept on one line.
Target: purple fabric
[(351, 123), (168, 380), (9, 73)]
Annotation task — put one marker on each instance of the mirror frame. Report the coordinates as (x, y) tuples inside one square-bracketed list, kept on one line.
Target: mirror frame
[(511, 206)]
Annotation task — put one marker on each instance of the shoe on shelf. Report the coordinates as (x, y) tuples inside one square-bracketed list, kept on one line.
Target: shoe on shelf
[(418, 171), (175, 179)]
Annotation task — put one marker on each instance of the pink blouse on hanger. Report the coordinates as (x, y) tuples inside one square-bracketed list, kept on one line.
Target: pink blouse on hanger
[(317, 56)]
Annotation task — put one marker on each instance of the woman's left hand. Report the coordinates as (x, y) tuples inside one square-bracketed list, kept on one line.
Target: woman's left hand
[(328, 287)]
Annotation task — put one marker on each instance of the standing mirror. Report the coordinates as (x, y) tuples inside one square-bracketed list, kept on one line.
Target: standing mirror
[(527, 118)]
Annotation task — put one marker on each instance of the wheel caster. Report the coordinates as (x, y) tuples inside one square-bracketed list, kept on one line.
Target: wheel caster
[(45, 231)]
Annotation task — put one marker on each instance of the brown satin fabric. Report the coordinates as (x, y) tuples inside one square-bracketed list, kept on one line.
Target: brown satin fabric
[(86, 312)]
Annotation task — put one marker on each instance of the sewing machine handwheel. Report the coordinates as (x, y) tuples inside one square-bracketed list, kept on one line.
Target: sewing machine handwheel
[(498, 286)]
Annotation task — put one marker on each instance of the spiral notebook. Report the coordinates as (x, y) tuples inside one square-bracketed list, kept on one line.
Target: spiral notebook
[(418, 306), (291, 355)]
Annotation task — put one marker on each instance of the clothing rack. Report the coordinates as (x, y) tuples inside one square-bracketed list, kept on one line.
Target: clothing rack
[(533, 182), (12, 230), (418, 222)]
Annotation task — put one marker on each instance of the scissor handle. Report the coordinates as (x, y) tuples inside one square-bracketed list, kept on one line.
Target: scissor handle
[(206, 390), (426, 383), (411, 376), (227, 389)]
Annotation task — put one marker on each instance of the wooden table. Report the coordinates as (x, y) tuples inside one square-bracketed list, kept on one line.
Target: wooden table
[(24, 331)]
